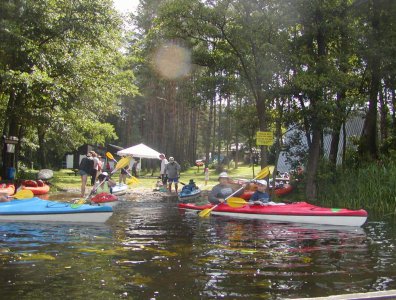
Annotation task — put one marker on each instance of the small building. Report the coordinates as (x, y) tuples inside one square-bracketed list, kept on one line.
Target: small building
[(353, 128), (73, 159)]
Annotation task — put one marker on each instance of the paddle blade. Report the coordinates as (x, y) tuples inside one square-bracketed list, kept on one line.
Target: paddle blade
[(123, 162), (132, 180), (109, 155), (236, 202), (23, 194), (205, 213), (263, 173), (78, 203)]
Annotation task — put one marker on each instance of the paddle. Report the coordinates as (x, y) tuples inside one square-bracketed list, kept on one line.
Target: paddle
[(123, 162), (236, 202), (262, 174), (23, 194), (129, 181)]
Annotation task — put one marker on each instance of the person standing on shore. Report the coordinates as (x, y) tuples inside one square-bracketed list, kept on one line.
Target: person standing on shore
[(123, 174), (95, 167), (164, 162), (206, 172), (85, 169), (173, 171)]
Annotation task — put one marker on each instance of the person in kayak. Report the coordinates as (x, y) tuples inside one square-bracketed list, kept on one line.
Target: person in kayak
[(260, 197), (173, 171), (105, 183), (190, 187), (224, 189)]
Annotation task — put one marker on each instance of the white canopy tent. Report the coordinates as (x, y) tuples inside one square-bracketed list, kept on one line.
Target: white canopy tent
[(141, 151)]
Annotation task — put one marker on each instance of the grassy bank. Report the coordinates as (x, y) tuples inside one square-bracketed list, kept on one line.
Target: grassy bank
[(65, 179), (372, 187)]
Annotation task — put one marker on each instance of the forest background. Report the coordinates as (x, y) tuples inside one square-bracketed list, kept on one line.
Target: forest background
[(195, 77)]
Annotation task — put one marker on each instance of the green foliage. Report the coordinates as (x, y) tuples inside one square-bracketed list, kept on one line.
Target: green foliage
[(61, 72), (371, 187)]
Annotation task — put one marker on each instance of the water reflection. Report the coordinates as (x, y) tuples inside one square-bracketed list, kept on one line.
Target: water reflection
[(151, 250)]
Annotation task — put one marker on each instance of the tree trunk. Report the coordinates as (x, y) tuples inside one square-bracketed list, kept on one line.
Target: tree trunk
[(312, 165), (42, 150), (263, 126), (208, 131), (368, 147)]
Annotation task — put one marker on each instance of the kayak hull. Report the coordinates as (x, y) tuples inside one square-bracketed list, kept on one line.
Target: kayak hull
[(189, 196), (38, 210), (7, 189), (38, 190), (105, 199), (300, 212), (284, 190), (119, 189), (279, 191)]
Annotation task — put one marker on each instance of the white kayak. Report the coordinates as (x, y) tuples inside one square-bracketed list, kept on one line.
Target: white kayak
[(119, 189)]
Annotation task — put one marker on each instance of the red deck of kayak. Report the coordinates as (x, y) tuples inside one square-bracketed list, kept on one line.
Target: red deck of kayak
[(299, 208)]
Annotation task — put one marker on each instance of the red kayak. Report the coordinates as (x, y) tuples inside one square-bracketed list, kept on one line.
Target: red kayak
[(7, 189), (279, 191), (283, 189), (105, 199), (38, 187), (299, 212)]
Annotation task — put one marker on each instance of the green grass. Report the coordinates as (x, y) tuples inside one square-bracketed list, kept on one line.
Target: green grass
[(64, 180), (372, 187)]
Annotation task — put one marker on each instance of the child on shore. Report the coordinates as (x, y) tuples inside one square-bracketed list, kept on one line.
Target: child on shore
[(206, 172)]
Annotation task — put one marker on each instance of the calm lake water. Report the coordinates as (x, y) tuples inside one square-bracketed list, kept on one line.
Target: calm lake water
[(151, 250)]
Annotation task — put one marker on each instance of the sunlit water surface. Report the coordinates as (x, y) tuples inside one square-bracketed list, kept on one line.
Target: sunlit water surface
[(151, 250)]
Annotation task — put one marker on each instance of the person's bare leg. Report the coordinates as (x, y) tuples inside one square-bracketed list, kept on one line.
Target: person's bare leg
[(176, 185), (170, 187), (83, 184)]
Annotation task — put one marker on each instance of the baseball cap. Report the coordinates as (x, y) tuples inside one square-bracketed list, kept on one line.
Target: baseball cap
[(262, 182), (223, 175)]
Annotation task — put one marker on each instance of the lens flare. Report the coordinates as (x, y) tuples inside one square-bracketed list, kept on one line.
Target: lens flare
[(172, 61)]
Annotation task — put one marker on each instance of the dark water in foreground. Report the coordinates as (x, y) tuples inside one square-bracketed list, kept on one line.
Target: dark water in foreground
[(151, 250)]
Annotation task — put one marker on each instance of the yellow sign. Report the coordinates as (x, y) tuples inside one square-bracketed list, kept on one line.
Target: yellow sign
[(265, 138)]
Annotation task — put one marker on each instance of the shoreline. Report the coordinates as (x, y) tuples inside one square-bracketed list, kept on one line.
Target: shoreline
[(131, 194)]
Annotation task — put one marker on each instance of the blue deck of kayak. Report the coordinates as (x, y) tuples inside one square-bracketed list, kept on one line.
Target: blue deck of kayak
[(36, 206)]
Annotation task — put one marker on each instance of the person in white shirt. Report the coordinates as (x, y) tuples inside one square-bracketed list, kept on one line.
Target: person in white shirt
[(164, 162)]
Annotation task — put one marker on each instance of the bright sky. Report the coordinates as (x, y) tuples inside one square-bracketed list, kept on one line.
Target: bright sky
[(124, 6)]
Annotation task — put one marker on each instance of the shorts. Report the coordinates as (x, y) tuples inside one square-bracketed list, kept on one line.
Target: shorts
[(82, 172), (175, 180)]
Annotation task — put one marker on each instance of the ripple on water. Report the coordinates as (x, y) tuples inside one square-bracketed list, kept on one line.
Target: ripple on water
[(150, 249)]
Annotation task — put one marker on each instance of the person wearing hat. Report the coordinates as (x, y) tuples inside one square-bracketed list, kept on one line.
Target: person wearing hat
[(224, 189), (172, 169), (105, 183), (190, 187), (164, 162), (260, 197)]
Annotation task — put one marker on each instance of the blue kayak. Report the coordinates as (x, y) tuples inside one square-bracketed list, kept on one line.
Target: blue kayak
[(36, 209), (187, 195)]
